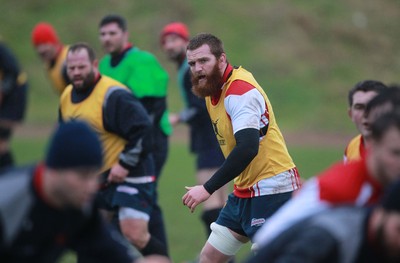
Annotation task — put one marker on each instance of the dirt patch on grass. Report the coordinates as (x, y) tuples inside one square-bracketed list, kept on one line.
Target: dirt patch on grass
[(303, 138), (313, 139)]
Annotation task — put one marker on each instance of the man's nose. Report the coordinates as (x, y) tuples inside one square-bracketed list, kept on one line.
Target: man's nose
[(198, 67), (75, 72), (105, 37)]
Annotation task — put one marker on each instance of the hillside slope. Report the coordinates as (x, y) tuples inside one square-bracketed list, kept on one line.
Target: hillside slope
[(305, 54)]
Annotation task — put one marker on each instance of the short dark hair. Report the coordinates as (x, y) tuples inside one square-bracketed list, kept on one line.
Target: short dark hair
[(73, 145), (215, 44), (365, 86), (108, 19), (389, 96), (82, 45), (391, 198), (380, 126)]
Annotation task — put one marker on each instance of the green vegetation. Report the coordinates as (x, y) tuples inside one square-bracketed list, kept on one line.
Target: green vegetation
[(305, 54)]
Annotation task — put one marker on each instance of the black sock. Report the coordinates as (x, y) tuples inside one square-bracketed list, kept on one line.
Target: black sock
[(208, 217), (6, 160), (154, 247), (157, 226)]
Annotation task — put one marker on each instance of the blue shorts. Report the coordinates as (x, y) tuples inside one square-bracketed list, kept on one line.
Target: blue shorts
[(14, 104), (246, 215), (137, 196), (210, 158)]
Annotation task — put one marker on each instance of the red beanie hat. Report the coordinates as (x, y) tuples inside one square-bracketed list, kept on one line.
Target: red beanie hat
[(44, 33), (176, 28)]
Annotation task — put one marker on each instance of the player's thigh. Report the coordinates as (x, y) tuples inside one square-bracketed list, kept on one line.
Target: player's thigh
[(222, 244), (138, 197), (257, 210), (134, 226)]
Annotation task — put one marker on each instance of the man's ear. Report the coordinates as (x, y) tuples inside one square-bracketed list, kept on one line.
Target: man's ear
[(95, 63), (349, 112), (222, 62), (222, 58), (126, 36)]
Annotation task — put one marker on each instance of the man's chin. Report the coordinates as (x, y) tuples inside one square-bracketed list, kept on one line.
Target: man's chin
[(201, 92), (77, 84), (173, 56), (79, 87)]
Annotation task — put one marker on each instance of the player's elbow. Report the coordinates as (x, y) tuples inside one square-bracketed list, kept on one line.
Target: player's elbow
[(249, 153)]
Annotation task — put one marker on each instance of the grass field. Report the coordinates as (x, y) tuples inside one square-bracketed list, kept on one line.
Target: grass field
[(185, 230), (305, 54)]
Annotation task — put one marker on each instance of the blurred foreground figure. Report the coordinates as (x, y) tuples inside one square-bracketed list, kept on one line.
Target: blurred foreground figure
[(345, 234), (359, 183), (47, 208), (13, 97)]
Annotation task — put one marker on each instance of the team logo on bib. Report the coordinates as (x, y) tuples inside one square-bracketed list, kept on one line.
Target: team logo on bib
[(257, 222), (220, 138)]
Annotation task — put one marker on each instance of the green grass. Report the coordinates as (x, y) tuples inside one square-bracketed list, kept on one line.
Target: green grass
[(185, 231), (305, 54), (28, 150)]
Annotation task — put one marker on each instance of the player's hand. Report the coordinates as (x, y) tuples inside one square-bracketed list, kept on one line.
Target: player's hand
[(174, 118), (117, 174), (195, 195)]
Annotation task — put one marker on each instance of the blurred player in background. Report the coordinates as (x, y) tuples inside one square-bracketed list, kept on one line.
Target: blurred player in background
[(358, 98), (174, 40), (53, 53), (386, 101), (122, 124), (143, 75), (256, 155), (13, 99)]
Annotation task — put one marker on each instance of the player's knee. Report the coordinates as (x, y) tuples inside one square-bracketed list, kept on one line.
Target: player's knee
[(223, 240), (210, 254), (134, 226), (137, 236), (205, 257)]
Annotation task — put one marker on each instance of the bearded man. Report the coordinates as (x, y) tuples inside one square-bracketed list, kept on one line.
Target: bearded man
[(256, 155), (122, 125)]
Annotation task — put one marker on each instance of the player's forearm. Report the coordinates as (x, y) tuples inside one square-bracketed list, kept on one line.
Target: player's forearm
[(247, 142), (187, 115)]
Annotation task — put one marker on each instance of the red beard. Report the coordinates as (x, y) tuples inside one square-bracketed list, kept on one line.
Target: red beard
[(212, 85)]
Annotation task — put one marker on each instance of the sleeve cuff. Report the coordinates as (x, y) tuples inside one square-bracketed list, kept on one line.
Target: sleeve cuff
[(208, 188)]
